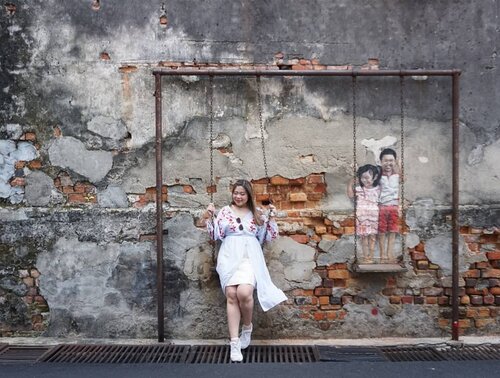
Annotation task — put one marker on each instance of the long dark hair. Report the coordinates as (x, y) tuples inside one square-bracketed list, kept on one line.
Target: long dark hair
[(250, 203), (369, 168)]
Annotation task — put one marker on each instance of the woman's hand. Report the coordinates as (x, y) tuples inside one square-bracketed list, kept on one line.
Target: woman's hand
[(210, 211), (272, 211)]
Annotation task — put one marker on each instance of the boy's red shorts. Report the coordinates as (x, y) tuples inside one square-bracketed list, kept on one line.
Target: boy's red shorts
[(388, 219)]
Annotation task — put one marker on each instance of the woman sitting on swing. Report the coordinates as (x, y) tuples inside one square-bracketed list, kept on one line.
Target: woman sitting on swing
[(242, 228)]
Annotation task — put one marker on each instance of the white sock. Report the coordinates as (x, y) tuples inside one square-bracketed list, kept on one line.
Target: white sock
[(247, 327)]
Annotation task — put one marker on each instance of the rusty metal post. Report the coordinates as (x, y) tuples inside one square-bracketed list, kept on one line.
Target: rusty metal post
[(159, 209), (455, 201)]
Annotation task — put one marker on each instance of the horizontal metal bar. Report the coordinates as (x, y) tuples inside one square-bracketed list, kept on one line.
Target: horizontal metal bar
[(238, 72)]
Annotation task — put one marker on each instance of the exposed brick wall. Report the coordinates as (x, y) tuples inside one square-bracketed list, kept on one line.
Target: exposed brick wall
[(298, 201)]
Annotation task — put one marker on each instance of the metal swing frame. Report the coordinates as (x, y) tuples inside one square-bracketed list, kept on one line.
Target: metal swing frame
[(382, 267), (454, 74)]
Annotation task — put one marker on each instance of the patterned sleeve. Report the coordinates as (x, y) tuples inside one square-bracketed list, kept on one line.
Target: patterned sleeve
[(215, 227), (268, 231)]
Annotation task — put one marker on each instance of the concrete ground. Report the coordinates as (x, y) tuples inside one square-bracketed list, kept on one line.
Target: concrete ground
[(386, 369), (387, 341)]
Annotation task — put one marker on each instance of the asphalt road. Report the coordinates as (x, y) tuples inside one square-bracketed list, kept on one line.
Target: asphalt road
[(442, 369)]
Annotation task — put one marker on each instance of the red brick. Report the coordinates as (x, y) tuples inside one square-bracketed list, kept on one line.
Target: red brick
[(476, 299), (444, 301), (473, 273), (298, 197), (348, 222), (418, 256), (338, 274), (38, 327), (314, 196), (431, 300), (474, 291), (493, 255), (494, 282), (321, 291), (491, 273), (80, 187), (302, 239), (298, 205), (465, 300), (495, 290), (464, 323), (422, 264), (349, 230), (482, 265), (480, 323), (324, 300), (420, 247), (18, 181), (407, 299), (464, 230), (35, 164), (319, 316), (297, 181), (278, 180), (491, 238), (449, 291), (77, 198), (29, 136), (315, 179), (418, 300), (395, 299), (489, 299), (320, 188), (470, 282), (340, 283)]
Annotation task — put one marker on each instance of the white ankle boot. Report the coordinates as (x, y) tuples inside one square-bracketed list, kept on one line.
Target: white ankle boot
[(236, 355), (246, 336)]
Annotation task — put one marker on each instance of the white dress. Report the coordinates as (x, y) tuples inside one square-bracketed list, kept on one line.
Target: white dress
[(240, 258)]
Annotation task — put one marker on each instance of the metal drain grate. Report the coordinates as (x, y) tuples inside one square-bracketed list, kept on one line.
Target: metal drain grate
[(471, 353), (400, 354), (219, 354), (349, 354), (196, 354), (21, 353), (122, 354), (443, 353)]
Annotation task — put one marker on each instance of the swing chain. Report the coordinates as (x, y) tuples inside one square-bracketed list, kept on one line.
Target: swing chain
[(211, 126), (402, 176), (355, 162), (262, 130)]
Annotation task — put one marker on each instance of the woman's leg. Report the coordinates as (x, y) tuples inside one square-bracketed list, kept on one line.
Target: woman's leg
[(233, 311), (245, 299)]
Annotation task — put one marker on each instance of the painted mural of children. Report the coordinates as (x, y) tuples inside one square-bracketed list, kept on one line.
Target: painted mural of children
[(367, 193), (388, 223)]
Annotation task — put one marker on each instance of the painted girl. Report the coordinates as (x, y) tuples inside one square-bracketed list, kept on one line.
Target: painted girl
[(366, 194)]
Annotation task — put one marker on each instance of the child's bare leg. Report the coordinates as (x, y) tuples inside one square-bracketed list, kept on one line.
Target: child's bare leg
[(371, 247), (390, 245), (381, 244), (364, 244)]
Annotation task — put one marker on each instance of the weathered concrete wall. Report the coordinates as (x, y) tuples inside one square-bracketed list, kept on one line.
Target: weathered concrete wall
[(77, 162)]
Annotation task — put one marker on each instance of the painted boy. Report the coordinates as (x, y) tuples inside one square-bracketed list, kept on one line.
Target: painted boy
[(388, 223)]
